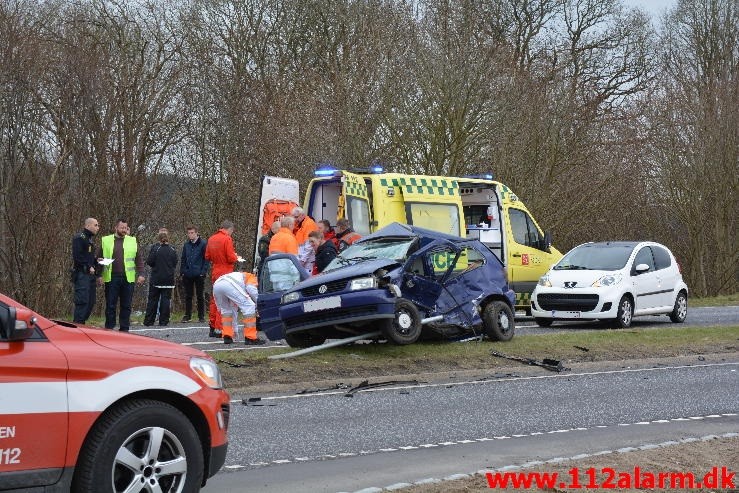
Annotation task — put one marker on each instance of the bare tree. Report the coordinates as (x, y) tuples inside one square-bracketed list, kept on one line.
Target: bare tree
[(695, 150)]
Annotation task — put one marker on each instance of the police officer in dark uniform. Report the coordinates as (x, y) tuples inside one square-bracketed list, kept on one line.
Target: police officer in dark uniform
[(83, 271)]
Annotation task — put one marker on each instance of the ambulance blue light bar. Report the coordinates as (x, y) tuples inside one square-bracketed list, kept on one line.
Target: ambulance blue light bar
[(325, 170), (480, 176), (376, 169)]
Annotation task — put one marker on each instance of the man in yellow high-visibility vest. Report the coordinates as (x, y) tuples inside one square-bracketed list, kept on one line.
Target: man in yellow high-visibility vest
[(127, 267)]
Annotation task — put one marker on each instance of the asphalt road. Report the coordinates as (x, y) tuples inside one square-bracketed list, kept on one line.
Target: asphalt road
[(334, 443), (386, 437)]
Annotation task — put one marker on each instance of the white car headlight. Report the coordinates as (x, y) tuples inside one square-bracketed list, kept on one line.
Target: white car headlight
[(544, 281), (208, 372), (607, 280), (290, 297), (363, 283)]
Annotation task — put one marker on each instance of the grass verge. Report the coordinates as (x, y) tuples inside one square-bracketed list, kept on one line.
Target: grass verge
[(373, 360), (725, 300)]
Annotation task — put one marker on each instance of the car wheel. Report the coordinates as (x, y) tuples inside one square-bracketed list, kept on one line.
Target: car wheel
[(405, 326), (497, 318), (544, 322), (625, 312), (141, 445), (304, 339), (680, 311)]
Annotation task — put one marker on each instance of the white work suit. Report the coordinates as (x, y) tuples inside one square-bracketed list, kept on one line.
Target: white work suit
[(232, 294)]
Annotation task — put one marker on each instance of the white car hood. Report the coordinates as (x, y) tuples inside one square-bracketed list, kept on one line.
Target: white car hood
[(582, 278)]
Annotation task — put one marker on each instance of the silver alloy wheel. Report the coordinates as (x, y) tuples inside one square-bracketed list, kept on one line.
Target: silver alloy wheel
[(626, 311), (682, 307), (151, 459)]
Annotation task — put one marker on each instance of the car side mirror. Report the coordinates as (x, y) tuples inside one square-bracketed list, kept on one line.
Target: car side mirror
[(16, 324), (641, 268)]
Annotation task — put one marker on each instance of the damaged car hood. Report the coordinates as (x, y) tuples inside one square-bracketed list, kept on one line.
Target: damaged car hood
[(362, 268)]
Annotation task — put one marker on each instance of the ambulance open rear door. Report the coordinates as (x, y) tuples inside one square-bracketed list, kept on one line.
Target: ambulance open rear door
[(277, 194)]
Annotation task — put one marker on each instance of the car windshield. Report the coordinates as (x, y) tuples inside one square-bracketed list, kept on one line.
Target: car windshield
[(596, 257), (392, 248)]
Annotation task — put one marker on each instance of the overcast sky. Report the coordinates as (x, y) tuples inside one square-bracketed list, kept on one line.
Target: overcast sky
[(654, 7)]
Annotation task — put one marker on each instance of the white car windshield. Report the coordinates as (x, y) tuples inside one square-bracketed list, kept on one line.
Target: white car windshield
[(597, 256), (392, 248)]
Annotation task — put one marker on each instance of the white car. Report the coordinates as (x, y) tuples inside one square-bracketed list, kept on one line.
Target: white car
[(615, 280)]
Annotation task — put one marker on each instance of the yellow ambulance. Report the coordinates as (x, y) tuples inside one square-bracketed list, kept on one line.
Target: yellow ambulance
[(474, 206)]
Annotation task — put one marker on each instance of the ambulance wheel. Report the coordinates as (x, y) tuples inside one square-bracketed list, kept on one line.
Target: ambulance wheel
[(497, 318), (544, 322), (304, 339), (141, 445), (681, 308), (405, 326)]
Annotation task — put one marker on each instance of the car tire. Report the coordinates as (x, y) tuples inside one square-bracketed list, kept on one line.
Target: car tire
[(304, 340), (405, 326), (625, 313), (115, 455), (544, 322), (498, 321), (680, 311)]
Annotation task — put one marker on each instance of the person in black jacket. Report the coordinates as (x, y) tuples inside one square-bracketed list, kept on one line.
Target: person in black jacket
[(263, 244), (163, 261), (193, 269), (325, 251), (83, 270)]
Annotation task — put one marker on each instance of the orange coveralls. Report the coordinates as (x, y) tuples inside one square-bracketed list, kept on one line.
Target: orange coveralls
[(222, 256)]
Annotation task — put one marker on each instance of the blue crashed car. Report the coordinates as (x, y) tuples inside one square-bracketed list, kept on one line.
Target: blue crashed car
[(401, 280)]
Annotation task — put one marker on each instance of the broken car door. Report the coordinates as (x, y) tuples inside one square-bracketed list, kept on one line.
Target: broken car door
[(279, 273)]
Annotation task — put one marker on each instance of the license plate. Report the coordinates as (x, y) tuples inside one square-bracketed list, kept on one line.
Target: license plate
[(560, 314), (322, 304)]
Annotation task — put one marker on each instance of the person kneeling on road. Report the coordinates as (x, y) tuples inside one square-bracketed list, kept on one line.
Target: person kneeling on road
[(236, 292)]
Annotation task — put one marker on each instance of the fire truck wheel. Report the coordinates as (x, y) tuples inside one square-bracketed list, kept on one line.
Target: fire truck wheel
[(141, 445), (405, 327), (497, 318)]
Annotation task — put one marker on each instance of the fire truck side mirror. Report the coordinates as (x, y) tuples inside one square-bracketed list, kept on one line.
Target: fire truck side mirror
[(16, 324)]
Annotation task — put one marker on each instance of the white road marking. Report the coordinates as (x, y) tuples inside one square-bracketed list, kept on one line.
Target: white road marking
[(647, 446), (555, 460)]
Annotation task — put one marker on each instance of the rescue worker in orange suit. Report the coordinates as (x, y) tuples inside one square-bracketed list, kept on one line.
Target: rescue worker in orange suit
[(304, 225), (236, 292), (220, 252), (345, 235), (284, 240)]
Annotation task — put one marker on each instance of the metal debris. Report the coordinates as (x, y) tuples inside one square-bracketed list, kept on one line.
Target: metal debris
[(326, 345), (546, 363), (256, 401), (338, 386), (364, 385)]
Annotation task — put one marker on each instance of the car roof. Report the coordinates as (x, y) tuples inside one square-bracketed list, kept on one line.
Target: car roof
[(612, 244)]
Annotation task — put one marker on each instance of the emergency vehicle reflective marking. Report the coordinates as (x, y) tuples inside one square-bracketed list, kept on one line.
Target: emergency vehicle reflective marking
[(322, 304), (10, 456), (33, 397), (95, 395)]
